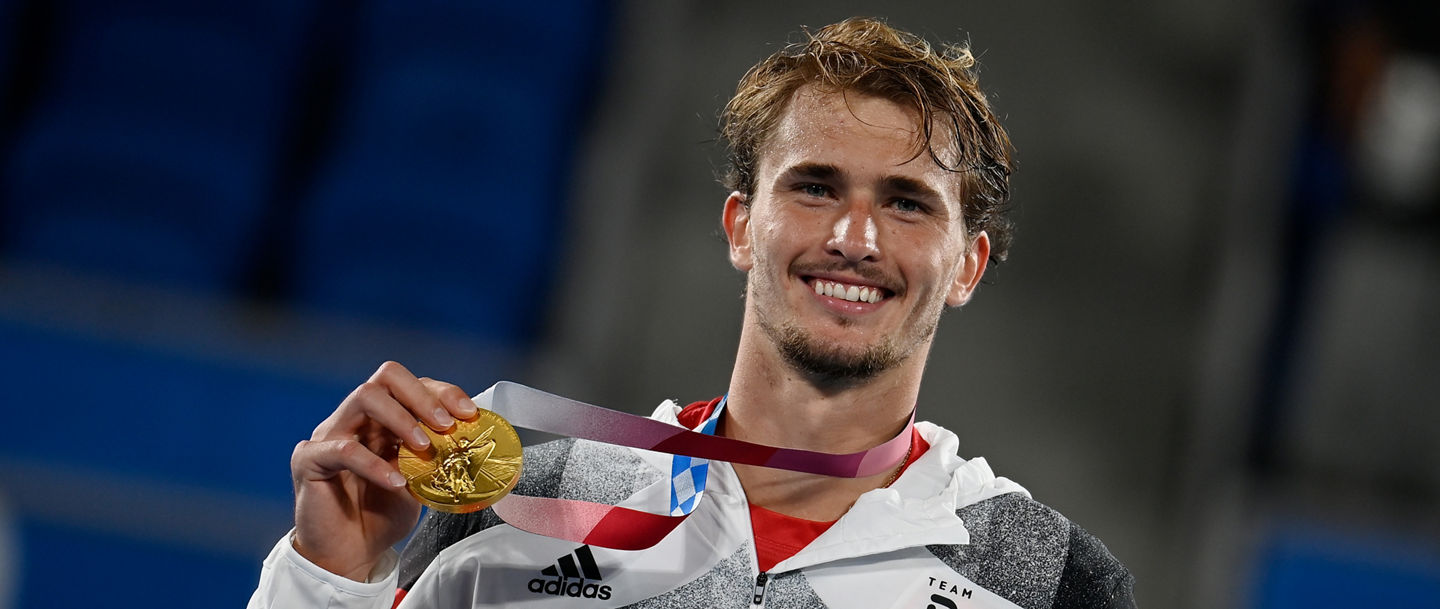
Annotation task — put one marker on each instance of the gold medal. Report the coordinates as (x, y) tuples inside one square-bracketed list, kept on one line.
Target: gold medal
[(467, 468)]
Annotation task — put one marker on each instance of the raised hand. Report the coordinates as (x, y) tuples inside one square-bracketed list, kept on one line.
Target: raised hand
[(350, 500)]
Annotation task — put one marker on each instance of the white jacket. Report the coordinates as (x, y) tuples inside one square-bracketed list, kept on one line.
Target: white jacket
[(947, 533)]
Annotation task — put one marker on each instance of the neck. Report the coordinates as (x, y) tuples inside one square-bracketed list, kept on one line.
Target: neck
[(772, 403)]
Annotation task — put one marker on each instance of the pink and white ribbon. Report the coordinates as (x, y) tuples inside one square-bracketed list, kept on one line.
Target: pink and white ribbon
[(623, 528)]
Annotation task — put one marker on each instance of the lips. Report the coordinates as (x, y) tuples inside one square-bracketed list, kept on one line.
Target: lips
[(854, 288), (844, 291)]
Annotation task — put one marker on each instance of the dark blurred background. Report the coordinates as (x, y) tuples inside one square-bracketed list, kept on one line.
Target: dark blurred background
[(1216, 344)]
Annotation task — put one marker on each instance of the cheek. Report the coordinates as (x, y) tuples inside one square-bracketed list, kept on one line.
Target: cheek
[(942, 274), (773, 238)]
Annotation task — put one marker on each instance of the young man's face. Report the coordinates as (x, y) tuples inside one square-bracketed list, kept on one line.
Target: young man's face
[(853, 243)]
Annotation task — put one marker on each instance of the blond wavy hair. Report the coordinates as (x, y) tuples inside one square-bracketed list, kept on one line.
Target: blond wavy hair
[(868, 56)]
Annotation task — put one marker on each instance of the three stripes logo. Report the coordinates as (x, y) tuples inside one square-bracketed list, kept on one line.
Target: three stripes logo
[(575, 574)]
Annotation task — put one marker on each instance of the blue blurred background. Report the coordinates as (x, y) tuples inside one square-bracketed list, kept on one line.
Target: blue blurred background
[(1216, 344)]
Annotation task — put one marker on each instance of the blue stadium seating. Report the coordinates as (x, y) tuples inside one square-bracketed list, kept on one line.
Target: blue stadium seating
[(159, 147), (441, 203), (140, 418), (150, 151), (1325, 568)]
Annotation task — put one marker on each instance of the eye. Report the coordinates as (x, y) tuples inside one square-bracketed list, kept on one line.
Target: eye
[(814, 190), (908, 206)]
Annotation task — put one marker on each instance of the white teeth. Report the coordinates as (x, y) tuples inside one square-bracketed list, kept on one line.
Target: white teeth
[(851, 293)]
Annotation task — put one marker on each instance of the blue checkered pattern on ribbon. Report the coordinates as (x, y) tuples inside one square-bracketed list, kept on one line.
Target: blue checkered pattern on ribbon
[(687, 474)]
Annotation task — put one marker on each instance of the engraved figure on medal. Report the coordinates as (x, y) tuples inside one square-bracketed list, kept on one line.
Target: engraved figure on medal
[(467, 468)]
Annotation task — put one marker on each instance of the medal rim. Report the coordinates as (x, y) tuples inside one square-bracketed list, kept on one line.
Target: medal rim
[(431, 453)]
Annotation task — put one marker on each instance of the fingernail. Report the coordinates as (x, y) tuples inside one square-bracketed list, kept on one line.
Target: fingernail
[(421, 439), (467, 407), (396, 479), (443, 418)]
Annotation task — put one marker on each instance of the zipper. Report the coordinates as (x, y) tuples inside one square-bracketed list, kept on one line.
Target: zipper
[(760, 581)]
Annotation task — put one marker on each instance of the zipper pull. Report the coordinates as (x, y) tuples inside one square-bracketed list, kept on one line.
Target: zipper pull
[(759, 600)]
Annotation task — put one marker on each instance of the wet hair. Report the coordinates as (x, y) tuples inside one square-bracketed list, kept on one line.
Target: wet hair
[(868, 56)]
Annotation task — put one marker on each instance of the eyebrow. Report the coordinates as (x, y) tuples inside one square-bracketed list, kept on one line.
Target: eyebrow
[(912, 188), (902, 185), (814, 171)]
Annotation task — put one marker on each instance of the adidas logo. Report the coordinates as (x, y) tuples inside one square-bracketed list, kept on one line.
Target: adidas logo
[(573, 575)]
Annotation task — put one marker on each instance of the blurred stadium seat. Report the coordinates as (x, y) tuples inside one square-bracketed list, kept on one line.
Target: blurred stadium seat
[(1317, 568), (164, 146), (442, 200), (150, 149)]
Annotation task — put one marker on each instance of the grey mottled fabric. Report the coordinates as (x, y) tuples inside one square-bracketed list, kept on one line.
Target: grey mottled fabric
[(730, 579), (1093, 576), (608, 475), (1030, 554), (1019, 548), (789, 590)]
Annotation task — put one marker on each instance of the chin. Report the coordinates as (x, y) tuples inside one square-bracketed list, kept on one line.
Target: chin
[(829, 361)]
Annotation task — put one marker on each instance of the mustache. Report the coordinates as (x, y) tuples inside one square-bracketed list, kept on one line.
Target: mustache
[(870, 272)]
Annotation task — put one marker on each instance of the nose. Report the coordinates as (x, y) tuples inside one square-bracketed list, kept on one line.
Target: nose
[(854, 235)]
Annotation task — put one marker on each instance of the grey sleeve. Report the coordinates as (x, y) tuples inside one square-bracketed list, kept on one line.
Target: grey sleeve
[(439, 531), (1093, 578)]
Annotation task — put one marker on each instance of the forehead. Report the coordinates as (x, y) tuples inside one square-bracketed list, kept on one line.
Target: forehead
[(865, 131)]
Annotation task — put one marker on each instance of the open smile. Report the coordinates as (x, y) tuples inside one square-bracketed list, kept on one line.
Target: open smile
[(848, 291)]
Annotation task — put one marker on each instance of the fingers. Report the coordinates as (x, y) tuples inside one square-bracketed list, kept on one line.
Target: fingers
[(452, 397), (323, 460), (394, 399), (389, 408), (371, 404), (413, 394)]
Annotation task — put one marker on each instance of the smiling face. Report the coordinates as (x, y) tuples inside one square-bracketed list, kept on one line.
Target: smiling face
[(852, 242)]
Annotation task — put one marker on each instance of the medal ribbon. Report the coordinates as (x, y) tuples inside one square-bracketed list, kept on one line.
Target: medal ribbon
[(623, 528)]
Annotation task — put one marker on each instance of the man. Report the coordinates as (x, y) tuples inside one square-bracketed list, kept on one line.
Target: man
[(869, 178)]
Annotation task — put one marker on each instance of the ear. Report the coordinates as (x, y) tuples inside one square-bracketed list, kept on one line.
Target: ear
[(737, 230), (972, 268)]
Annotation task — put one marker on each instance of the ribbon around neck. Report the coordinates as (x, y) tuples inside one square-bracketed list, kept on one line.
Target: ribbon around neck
[(622, 528)]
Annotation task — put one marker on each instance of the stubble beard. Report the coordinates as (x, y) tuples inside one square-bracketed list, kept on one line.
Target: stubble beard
[(826, 363)]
